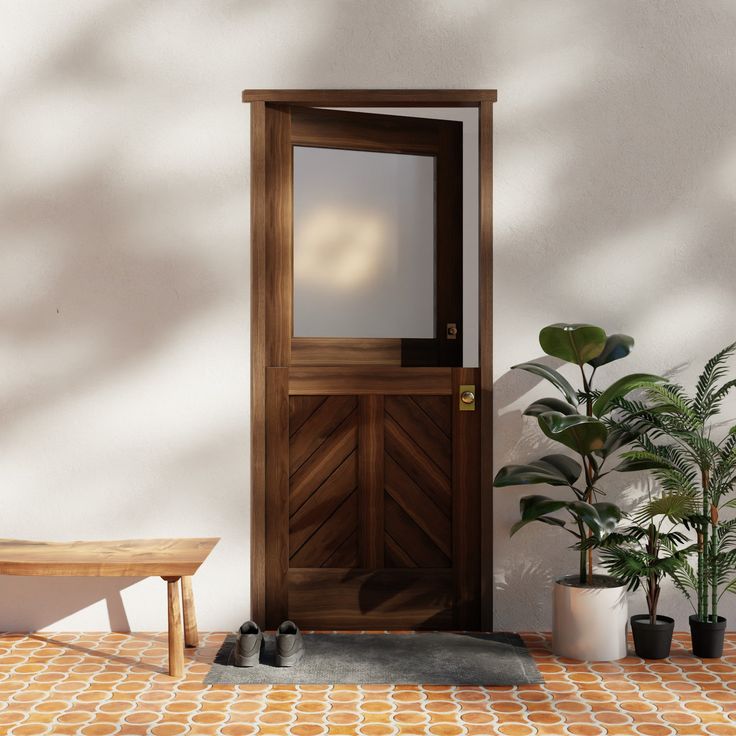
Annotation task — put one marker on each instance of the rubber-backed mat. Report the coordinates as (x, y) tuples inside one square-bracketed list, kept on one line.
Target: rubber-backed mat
[(426, 658)]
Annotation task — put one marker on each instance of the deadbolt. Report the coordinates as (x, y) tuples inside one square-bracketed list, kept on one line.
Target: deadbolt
[(467, 398)]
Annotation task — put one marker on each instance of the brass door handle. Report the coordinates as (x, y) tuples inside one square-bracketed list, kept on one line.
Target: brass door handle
[(467, 398)]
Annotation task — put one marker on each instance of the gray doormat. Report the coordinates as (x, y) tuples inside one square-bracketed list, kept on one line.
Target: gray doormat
[(431, 658)]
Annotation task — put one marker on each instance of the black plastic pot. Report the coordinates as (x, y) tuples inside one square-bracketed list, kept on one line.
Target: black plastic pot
[(707, 637), (652, 640)]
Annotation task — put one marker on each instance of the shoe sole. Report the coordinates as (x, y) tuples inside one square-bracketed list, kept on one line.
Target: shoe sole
[(289, 660)]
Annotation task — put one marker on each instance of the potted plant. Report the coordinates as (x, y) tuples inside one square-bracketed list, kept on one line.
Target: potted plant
[(590, 611), (641, 555), (693, 462)]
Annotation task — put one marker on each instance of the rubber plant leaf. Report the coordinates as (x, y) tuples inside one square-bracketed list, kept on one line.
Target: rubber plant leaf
[(573, 343), (609, 515), (617, 438), (616, 347), (540, 406), (555, 378), (555, 470), (633, 464), (588, 514), (537, 508), (578, 432), (617, 390)]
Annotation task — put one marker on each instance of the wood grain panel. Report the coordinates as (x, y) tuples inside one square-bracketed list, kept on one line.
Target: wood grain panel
[(466, 506), (485, 333), (404, 530), (439, 409), (328, 417), (323, 462), (371, 480), (413, 460), (278, 235), (306, 520), (423, 432), (418, 505), (374, 97), (345, 351), (339, 381), (301, 408), (123, 557), (258, 360), (364, 131), (277, 493), (334, 530), (360, 599)]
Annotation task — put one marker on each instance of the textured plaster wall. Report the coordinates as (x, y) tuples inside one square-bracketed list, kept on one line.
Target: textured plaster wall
[(124, 246)]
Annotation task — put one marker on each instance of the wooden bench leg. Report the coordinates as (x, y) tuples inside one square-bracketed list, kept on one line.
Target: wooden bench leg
[(176, 632), (191, 636)]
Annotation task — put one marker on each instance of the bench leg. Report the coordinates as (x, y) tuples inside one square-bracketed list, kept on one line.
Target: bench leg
[(176, 632), (191, 636)]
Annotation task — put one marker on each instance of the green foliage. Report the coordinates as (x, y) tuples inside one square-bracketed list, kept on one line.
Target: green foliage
[(643, 553), (677, 446), (571, 423)]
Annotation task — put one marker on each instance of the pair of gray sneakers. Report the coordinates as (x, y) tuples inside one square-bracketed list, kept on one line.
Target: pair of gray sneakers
[(289, 645)]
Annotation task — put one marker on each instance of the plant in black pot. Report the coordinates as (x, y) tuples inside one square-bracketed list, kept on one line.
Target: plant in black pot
[(641, 554), (589, 611), (681, 448)]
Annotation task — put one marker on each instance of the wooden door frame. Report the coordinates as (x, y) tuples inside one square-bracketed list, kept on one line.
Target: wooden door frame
[(262, 227)]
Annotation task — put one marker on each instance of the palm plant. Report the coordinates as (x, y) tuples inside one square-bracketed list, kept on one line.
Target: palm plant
[(678, 446), (591, 433), (644, 552)]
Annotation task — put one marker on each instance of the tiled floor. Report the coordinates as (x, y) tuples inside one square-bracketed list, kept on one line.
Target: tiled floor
[(114, 683)]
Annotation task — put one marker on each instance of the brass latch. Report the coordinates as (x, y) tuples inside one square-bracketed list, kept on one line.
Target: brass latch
[(451, 331), (467, 397)]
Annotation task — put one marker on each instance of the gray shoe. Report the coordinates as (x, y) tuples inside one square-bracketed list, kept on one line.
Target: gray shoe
[(289, 645), (247, 651)]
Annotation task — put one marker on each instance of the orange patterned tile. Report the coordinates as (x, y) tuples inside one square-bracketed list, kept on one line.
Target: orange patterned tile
[(96, 684)]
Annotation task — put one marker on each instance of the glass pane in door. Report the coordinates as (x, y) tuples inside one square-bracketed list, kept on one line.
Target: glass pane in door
[(364, 244)]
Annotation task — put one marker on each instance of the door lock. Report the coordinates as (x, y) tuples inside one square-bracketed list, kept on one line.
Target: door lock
[(451, 331)]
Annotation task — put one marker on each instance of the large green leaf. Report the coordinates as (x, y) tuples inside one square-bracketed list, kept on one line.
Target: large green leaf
[(635, 464), (608, 514), (537, 508), (617, 347), (555, 470), (541, 406), (573, 343), (555, 378), (578, 432), (604, 403), (617, 438)]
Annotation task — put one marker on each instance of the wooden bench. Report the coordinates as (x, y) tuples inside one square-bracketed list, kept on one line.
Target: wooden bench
[(170, 559)]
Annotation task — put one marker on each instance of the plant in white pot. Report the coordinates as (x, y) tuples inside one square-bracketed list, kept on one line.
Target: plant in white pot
[(589, 610)]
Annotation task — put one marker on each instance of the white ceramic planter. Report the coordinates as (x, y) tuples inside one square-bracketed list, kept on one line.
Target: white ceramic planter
[(589, 623)]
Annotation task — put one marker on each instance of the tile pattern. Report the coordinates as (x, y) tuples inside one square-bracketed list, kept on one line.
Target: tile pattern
[(100, 684)]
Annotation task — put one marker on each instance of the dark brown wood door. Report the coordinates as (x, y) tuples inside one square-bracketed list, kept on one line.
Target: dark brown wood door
[(373, 506), (371, 477)]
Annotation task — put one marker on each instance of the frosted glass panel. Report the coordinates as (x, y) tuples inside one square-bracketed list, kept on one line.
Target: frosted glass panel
[(363, 244)]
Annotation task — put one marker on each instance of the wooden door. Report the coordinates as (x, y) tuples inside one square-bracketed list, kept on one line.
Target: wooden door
[(372, 502), (372, 508)]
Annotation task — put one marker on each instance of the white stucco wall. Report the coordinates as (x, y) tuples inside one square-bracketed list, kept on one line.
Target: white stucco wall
[(124, 246)]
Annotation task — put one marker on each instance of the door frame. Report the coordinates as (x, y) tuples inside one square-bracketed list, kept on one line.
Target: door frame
[(264, 202)]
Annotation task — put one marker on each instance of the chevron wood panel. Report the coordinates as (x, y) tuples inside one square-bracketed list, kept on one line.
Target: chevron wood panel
[(323, 498), (417, 482)]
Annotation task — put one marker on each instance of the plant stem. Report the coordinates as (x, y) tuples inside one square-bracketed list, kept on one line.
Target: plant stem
[(703, 558), (582, 552)]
